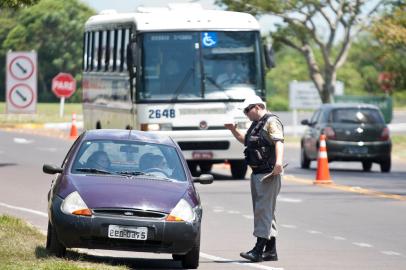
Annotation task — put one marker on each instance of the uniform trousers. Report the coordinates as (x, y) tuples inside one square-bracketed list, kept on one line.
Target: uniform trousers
[(264, 201)]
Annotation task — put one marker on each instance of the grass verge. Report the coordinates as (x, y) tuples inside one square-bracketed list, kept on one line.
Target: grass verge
[(22, 247), (46, 112)]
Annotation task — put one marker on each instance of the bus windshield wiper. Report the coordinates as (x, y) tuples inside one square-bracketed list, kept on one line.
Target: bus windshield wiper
[(213, 82), (182, 84), (93, 170)]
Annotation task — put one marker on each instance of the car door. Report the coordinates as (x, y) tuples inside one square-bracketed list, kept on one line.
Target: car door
[(310, 136)]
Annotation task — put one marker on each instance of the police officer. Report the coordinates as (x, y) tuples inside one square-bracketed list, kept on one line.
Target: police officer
[(264, 154)]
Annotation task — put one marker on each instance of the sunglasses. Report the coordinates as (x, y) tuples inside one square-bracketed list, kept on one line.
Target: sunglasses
[(249, 108)]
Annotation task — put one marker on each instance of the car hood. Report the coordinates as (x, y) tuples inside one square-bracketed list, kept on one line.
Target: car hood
[(100, 191)]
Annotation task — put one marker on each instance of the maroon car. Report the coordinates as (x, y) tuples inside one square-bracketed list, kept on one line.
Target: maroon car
[(125, 190)]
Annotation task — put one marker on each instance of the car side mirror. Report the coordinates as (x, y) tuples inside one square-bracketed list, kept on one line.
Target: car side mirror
[(51, 169), (305, 122), (204, 179)]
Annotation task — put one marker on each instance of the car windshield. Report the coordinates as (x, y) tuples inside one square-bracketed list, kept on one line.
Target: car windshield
[(356, 116), (129, 158), (200, 65)]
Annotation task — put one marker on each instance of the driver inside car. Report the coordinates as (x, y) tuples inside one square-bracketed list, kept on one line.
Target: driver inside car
[(154, 164), (99, 160)]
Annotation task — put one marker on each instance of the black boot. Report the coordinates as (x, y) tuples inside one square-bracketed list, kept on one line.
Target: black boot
[(270, 250), (255, 255)]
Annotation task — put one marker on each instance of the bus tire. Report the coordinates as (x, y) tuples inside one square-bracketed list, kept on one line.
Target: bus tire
[(205, 167), (238, 169), (192, 167)]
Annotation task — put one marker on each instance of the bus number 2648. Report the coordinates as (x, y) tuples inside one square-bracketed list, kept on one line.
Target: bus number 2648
[(166, 113)]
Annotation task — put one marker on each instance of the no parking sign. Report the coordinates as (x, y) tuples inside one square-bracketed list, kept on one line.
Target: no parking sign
[(21, 85)]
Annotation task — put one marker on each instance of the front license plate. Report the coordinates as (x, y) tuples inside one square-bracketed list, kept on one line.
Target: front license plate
[(132, 233), (358, 150), (202, 155)]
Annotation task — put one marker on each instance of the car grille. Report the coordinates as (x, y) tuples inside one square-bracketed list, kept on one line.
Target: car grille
[(211, 145), (130, 213)]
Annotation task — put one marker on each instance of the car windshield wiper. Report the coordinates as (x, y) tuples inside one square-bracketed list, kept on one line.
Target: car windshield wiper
[(93, 170), (136, 173)]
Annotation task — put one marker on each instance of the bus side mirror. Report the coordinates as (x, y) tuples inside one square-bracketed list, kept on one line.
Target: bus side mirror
[(132, 58), (269, 56)]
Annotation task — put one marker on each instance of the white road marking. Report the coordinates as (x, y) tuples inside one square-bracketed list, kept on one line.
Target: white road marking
[(248, 216), (220, 259), (233, 212), (22, 141), (48, 149), (289, 200), (24, 209), (218, 210), (391, 253), (366, 245), (339, 238), (289, 226), (313, 232)]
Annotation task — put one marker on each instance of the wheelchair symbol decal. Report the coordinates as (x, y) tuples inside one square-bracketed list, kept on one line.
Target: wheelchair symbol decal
[(209, 39)]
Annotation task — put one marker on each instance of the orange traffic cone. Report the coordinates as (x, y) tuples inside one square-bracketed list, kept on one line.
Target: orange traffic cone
[(323, 173), (73, 129)]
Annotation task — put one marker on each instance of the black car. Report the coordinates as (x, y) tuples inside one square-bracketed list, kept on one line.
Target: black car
[(354, 132)]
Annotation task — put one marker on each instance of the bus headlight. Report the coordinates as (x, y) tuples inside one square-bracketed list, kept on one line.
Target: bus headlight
[(155, 127)]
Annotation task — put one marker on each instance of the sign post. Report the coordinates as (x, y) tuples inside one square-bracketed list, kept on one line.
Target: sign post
[(21, 82), (304, 95), (63, 86)]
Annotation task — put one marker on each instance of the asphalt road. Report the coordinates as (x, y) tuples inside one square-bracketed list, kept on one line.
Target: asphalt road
[(357, 223)]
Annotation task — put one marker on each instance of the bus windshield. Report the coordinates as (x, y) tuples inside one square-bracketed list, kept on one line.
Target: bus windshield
[(200, 65)]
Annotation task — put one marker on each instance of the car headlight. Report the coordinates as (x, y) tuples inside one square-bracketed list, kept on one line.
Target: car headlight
[(74, 205), (182, 212)]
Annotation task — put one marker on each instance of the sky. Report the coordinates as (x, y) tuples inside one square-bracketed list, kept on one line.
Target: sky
[(266, 22)]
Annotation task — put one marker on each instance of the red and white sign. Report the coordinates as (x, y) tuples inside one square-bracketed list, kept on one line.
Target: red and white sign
[(63, 85), (21, 85)]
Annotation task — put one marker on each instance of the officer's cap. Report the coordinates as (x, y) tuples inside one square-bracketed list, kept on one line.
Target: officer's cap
[(252, 100)]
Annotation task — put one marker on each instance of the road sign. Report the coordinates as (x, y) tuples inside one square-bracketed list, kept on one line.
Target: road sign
[(63, 85), (21, 96), (21, 84), (304, 94)]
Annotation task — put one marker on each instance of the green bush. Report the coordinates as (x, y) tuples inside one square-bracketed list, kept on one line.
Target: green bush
[(277, 103)]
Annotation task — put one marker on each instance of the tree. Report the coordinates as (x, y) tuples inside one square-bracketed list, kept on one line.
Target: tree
[(55, 30), (390, 31), (301, 31), (16, 3)]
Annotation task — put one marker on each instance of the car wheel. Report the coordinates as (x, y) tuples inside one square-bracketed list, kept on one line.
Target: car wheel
[(366, 166), (205, 167), (304, 160), (238, 169), (53, 245), (385, 165), (191, 259)]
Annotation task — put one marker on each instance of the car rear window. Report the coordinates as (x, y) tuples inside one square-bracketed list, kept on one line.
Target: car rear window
[(356, 116)]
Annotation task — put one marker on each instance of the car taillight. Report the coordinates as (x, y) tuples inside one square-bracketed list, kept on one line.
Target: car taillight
[(329, 132), (385, 134)]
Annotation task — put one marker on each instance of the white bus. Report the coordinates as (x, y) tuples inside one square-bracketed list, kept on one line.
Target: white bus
[(165, 70)]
